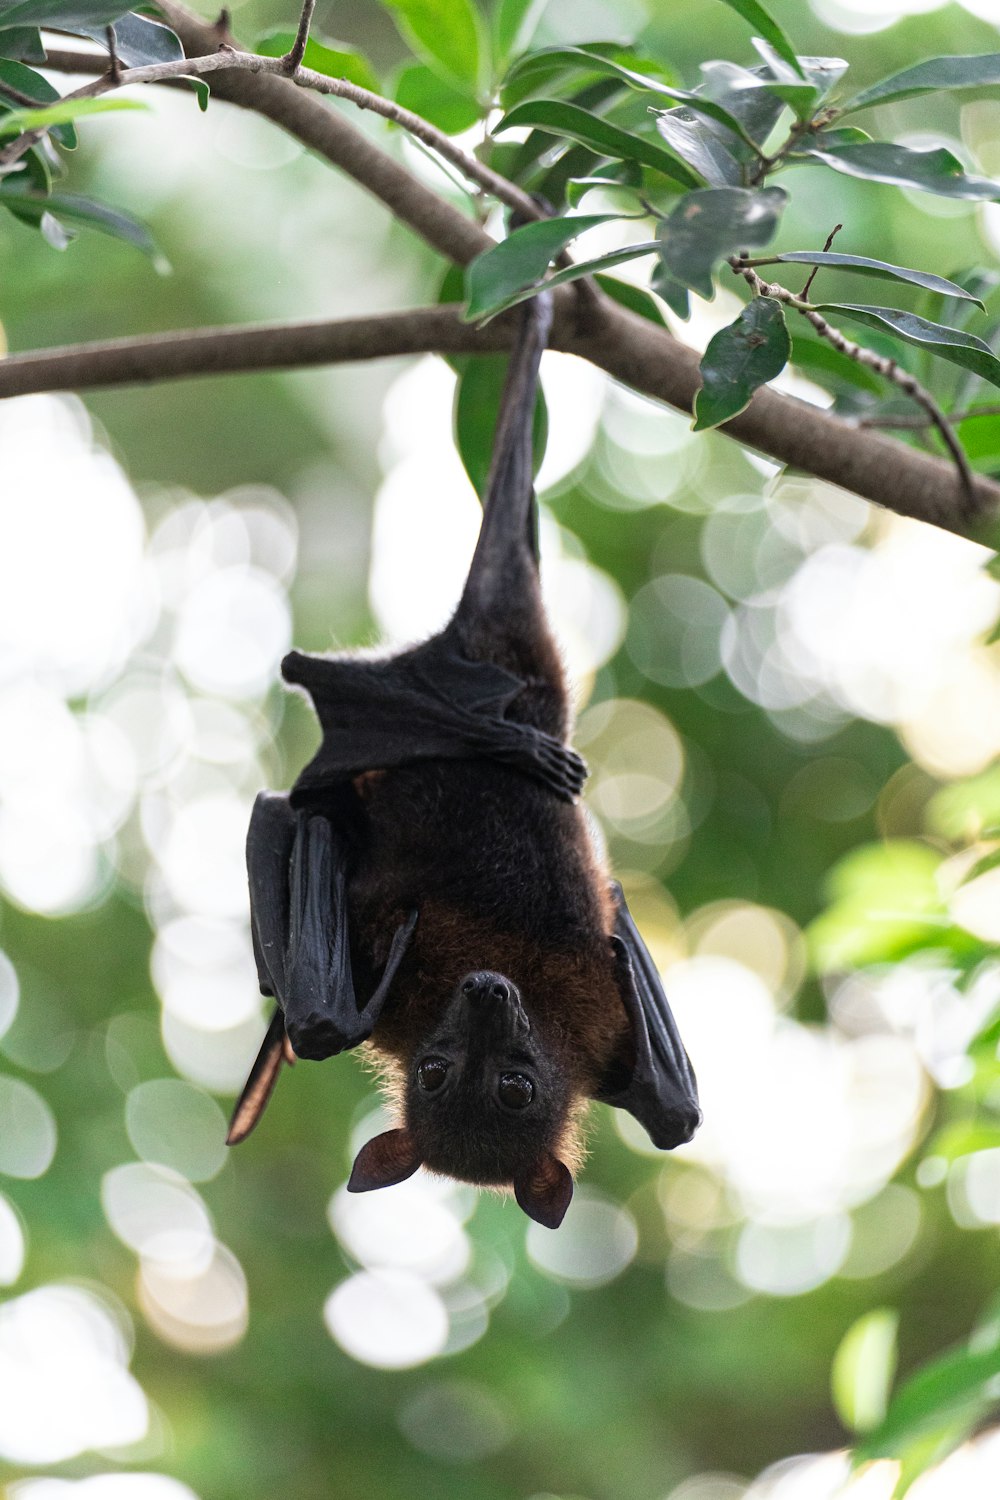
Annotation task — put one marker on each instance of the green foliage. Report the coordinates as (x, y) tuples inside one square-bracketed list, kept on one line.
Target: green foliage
[(740, 359), (685, 167)]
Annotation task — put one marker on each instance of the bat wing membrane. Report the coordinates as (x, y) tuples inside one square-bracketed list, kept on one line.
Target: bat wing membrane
[(297, 867), (429, 703), (662, 1092)]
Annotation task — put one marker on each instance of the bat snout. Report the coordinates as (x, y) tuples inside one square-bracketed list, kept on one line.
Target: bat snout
[(486, 987), (487, 993)]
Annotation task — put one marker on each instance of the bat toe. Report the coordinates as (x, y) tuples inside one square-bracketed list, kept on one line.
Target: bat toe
[(314, 1036)]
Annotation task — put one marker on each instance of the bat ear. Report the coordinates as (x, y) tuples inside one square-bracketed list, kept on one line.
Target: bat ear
[(385, 1160), (544, 1191)]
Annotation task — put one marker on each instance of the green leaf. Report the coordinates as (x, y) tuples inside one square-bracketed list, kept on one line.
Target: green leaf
[(745, 94), (687, 136), (882, 269), (30, 207), (514, 24), (863, 1369), (948, 343), (740, 359), (885, 902), (599, 134), (519, 261), (968, 810), (958, 1388), (32, 83), (62, 15), (632, 297), (139, 40), (54, 233), (445, 33), (707, 225), (833, 369), (22, 42), (332, 59), (937, 171), (530, 288), (592, 61), (445, 105), (677, 297), (759, 19), (962, 1138), (929, 77), (477, 405), (19, 120), (200, 87)]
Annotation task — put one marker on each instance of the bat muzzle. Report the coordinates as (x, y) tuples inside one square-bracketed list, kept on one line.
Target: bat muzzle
[(493, 998)]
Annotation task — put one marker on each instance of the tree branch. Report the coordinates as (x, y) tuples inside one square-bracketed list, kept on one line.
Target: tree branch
[(640, 354)]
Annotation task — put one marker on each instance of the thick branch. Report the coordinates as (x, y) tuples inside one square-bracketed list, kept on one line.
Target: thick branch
[(330, 135), (636, 352)]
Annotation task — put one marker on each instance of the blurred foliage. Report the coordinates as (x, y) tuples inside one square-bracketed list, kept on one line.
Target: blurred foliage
[(813, 795)]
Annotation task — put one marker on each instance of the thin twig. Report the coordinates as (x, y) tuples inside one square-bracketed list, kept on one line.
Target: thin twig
[(10, 92), (919, 424), (231, 60), (882, 366), (293, 58), (804, 294)]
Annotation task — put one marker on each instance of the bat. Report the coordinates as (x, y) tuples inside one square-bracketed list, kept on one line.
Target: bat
[(429, 887)]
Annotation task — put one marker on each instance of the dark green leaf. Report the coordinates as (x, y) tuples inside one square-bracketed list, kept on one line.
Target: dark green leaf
[(881, 269), (31, 206), (24, 42), (632, 297), (597, 133), (62, 15), (528, 289), (514, 22), (740, 359), (712, 223), (959, 1386), (929, 77), (677, 297), (581, 57), (744, 93), (831, 368), (686, 135), (445, 105), (139, 41), (759, 19), (520, 261), (937, 171), (27, 81), (332, 59), (200, 87), (444, 33), (949, 343), (477, 404)]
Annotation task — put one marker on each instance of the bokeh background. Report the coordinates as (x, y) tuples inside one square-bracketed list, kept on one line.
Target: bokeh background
[(791, 714)]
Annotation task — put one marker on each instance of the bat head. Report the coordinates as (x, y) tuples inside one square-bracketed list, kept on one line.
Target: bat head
[(485, 1102)]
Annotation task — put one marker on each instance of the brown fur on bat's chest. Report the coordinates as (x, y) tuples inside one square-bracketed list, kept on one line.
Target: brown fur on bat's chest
[(504, 878)]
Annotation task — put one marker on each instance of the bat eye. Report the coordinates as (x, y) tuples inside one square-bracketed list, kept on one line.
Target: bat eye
[(515, 1090), (431, 1074)]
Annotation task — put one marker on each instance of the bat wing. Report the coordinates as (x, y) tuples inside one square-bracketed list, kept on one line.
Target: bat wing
[(297, 865), (428, 703), (662, 1092)]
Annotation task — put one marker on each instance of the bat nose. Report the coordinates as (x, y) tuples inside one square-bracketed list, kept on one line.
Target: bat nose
[(487, 986)]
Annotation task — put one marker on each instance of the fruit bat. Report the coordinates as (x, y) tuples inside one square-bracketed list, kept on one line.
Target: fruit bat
[(429, 886)]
